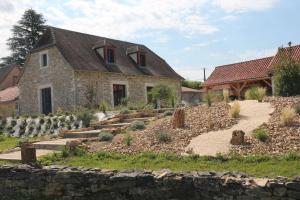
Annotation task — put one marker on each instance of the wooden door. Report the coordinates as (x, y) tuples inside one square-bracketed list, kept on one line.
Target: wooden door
[(119, 92)]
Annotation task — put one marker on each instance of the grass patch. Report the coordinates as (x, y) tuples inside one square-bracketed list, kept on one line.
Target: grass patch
[(261, 135), (7, 143), (257, 165)]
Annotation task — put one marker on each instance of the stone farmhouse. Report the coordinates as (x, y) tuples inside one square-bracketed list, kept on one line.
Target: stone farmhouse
[(64, 64), (9, 76), (238, 77)]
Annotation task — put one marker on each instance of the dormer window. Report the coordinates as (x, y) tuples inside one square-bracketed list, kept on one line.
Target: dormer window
[(110, 55), (138, 55), (106, 51), (142, 60)]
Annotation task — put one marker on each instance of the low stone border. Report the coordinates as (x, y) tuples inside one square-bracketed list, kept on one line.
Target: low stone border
[(56, 182)]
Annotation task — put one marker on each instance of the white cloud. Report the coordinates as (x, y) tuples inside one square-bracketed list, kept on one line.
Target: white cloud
[(193, 73), (244, 5), (256, 54)]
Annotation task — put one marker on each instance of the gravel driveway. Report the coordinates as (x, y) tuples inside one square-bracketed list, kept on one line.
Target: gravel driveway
[(253, 114)]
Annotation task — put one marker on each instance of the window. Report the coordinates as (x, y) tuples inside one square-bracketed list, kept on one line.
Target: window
[(44, 60), (15, 80), (119, 93), (149, 95), (110, 56), (142, 60)]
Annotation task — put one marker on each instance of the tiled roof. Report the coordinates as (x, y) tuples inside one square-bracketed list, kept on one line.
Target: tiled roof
[(4, 71), (252, 69), (77, 49), (9, 94), (295, 54)]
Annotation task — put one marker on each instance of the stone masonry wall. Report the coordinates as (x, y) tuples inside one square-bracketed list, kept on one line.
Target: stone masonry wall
[(135, 86), (68, 183), (59, 75)]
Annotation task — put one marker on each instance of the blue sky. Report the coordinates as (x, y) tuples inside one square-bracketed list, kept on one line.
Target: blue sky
[(188, 34)]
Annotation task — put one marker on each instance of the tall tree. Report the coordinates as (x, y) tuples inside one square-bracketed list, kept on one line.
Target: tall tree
[(24, 36)]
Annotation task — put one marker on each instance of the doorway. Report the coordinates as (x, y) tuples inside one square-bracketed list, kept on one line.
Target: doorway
[(46, 101), (119, 92)]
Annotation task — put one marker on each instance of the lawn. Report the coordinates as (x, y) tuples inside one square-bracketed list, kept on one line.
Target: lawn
[(260, 166), (8, 143)]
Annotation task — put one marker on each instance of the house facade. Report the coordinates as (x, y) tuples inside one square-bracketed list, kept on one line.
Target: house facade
[(65, 65), (238, 77), (9, 76)]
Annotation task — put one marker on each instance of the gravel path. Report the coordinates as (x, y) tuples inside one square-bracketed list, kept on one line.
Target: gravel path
[(253, 114)]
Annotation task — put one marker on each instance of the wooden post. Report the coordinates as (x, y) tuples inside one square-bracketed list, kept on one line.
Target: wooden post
[(178, 118), (28, 153)]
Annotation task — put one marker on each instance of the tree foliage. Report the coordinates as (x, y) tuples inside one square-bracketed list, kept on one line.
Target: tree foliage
[(164, 93), (25, 34), (287, 74), (192, 84)]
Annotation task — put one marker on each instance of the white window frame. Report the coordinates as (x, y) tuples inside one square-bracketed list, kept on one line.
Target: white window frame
[(41, 59), (112, 83), (39, 92)]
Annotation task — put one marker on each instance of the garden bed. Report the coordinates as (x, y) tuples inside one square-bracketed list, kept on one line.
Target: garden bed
[(281, 138), (199, 119)]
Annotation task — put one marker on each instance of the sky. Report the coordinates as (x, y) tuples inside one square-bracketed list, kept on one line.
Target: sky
[(189, 34)]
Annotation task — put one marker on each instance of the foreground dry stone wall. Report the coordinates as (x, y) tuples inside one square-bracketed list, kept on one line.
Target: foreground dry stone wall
[(24, 182)]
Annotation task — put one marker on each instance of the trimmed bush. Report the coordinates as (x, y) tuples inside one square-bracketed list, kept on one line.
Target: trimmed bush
[(287, 116), (261, 135), (13, 123), (106, 136), (251, 94), (137, 125), (163, 136), (234, 111), (42, 121)]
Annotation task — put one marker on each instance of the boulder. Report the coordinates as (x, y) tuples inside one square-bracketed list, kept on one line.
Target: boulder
[(237, 137)]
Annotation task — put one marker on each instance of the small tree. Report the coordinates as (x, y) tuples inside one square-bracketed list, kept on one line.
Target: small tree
[(25, 34), (162, 92), (287, 74), (192, 84)]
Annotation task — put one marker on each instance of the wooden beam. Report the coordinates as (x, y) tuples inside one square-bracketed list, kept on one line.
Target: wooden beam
[(269, 84)]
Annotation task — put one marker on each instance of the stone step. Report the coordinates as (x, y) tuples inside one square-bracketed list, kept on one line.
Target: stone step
[(144, 119), (16, 155), (52, 144), (82, 134), (111, 125)]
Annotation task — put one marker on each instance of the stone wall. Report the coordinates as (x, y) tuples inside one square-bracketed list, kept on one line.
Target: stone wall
[(135, 86), (59, 75), (68, 183)]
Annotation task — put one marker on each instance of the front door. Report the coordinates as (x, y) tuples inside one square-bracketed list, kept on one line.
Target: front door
[(46, 102), (119, 93)]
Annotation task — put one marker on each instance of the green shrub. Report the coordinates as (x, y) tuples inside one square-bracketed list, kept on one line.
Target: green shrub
[(42, 121), (124, 101), (149, 106), (106, 136), (162, 93), (103, 106), (287, 73), (13, 122), (55, 125), (163, 136), (86, 116), (128, 139), (38, 127), (208, 98), (297, 108), (168, 113), (234, 111), (50, 115), (62, 119), (251, 94), (65, 152), (261, 135), (192, 84), (137, 125), (125, 111), (71, 118)]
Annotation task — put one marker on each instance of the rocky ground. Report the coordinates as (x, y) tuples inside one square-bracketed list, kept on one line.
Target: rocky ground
[(199, 119), (282, 139)]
